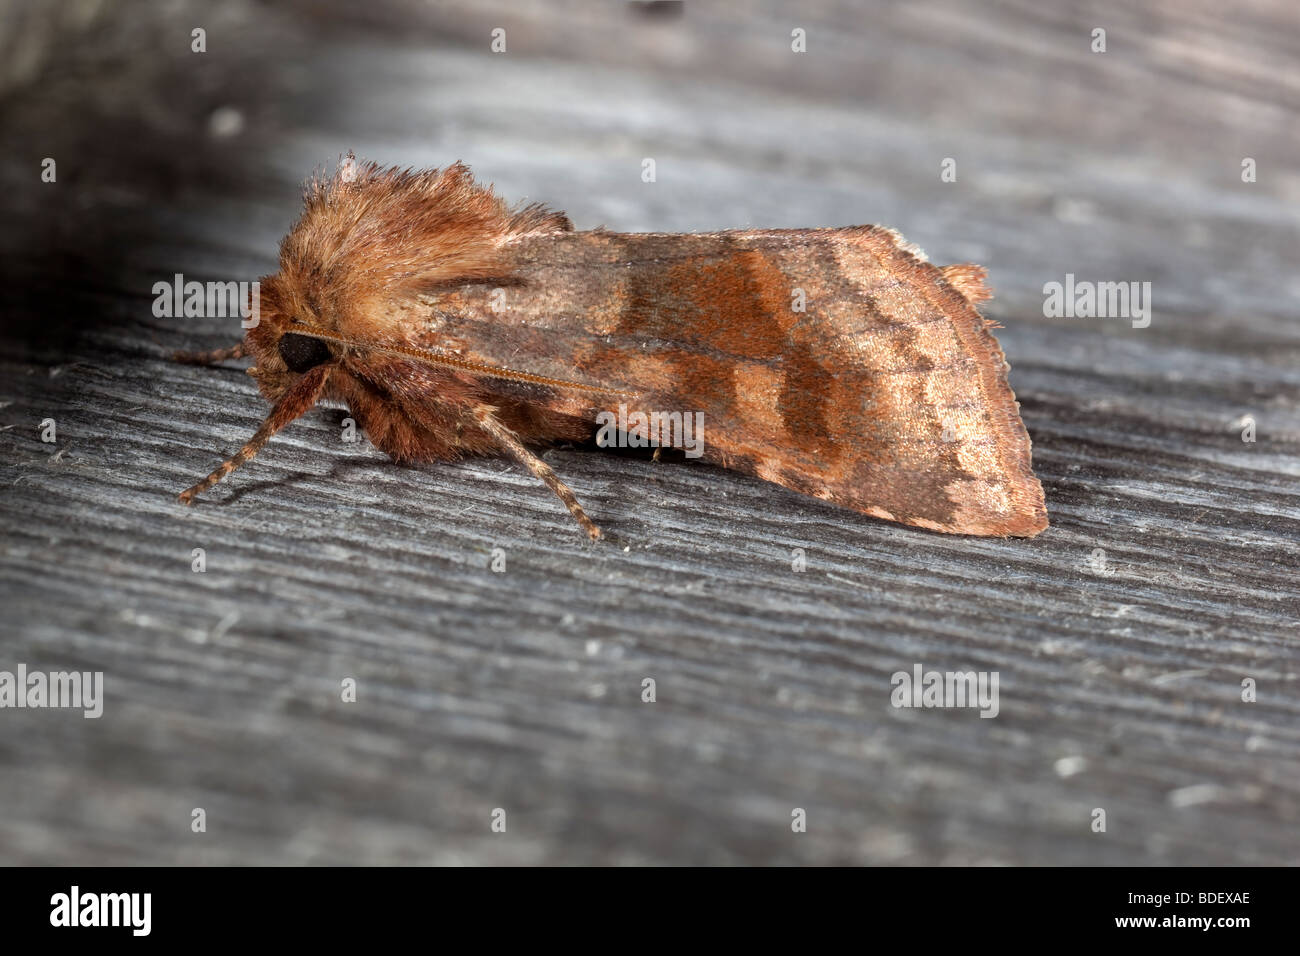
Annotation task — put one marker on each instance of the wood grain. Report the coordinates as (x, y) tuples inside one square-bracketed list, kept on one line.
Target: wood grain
[(1120, 688)]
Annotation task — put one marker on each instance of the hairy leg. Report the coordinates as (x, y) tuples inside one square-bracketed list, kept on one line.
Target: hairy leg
[(300, 398), (212, 357), (510, 444)]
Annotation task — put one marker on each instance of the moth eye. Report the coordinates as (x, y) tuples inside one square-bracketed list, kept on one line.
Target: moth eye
[(302, 352)]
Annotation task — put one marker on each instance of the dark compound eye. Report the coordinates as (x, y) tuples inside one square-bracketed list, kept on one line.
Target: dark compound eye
[(302, 352)]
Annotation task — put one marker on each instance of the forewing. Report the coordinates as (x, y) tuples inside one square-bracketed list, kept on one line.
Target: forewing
[(835, 362)]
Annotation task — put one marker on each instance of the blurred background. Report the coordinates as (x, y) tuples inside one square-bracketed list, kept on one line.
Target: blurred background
[(182, 132)]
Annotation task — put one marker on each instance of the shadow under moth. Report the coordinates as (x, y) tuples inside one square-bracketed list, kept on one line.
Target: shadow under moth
[(835, 362)]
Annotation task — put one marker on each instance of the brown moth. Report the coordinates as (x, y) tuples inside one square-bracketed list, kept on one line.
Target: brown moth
[(836, 362)]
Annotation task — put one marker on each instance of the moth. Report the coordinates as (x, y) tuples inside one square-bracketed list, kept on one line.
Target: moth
[(835, 362)]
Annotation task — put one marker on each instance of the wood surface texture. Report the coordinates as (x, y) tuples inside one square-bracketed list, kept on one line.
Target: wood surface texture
[(1121, 635)]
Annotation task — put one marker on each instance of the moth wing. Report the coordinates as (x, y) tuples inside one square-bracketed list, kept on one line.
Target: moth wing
[(836, 362)]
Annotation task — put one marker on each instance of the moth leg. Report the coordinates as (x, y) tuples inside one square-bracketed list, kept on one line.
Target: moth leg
[(300, 398), (512, 446), (212, 357)]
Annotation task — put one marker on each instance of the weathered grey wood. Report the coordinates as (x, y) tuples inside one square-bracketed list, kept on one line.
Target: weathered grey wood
[(521, 690)]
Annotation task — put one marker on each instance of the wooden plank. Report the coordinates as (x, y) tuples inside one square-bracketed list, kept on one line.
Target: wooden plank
[(1120, 682)]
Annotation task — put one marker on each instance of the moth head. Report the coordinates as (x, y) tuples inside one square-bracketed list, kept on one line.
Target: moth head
[(283, 349)]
